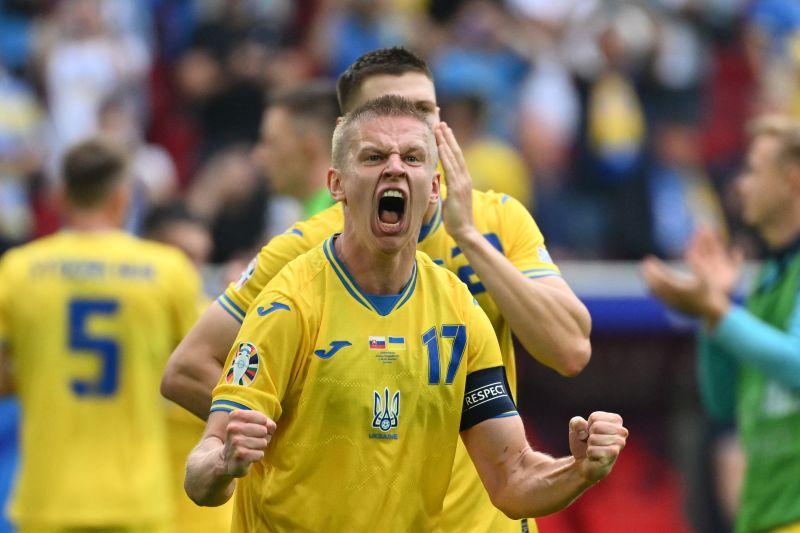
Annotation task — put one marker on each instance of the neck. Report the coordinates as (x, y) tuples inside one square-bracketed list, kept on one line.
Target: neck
[(90, 221), (779, 235), (376, 272)]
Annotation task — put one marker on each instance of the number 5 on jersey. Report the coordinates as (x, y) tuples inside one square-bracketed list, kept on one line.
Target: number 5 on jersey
[(457, 332), (104, 348)]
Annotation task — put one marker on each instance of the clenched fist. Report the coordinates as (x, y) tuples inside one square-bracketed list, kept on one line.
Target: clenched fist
[(596, 443), (246, 437)]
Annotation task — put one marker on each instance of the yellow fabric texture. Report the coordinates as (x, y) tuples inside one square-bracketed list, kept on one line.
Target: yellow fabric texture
[(504, 221), (352, 393)]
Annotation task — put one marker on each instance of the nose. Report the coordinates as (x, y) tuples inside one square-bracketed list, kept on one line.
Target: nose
[(394, 167)]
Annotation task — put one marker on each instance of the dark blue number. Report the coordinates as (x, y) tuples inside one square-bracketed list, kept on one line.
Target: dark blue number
[(466, 272), (106, 349), (431, 342), (457, 332)]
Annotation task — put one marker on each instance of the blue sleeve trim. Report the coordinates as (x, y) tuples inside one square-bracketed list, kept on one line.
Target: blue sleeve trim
[(233, 304), (230, 311), (486, 395), (506, 415), (228, 406)]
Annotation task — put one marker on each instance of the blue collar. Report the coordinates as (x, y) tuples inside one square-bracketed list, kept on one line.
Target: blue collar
[(431, 227), (381, 304)]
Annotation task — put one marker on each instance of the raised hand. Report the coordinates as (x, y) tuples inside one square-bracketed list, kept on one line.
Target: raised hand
[(596, 443), (247, 435), (457, 207), (708, 257)]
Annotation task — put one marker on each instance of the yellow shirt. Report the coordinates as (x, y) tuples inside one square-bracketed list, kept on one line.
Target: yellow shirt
[(512, 230), (89, 320), (367, 394)]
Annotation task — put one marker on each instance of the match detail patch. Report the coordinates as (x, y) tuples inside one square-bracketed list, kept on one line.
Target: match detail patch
[(244, 368), (486, 396)]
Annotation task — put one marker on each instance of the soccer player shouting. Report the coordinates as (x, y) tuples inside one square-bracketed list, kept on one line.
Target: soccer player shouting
[(488, 239), (361, 361)]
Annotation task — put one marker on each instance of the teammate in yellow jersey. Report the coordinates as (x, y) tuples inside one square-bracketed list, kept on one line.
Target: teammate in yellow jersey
[(359, 363), (88, 317), (488, 239)]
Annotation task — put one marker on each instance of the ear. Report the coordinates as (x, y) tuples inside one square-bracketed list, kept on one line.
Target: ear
[(335, 185), (434, 198), (119, 201)]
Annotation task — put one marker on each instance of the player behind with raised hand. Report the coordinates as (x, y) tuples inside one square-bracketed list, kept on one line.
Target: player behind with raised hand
[(88, 317), (488, 239), (361, 361)]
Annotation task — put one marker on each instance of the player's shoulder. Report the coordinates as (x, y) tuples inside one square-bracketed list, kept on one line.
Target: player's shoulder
[(438, 275), (321, 225), (296, 277), (158, 253), (497, 201)]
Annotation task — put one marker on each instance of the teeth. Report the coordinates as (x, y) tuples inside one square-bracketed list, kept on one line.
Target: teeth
[(392, 194)]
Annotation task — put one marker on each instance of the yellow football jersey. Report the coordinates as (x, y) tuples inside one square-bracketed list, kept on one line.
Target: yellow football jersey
[(367, 393), (89, 319), (510, 228)]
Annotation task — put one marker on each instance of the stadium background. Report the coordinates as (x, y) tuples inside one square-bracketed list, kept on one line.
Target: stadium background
[(620, 124)]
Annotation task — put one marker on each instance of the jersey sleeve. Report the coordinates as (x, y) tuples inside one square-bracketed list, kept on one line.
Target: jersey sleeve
[(523, 242), (486, 393), (264, 357), (297, 240)]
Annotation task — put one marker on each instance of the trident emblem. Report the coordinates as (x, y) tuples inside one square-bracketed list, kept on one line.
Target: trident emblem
[(386, 415)]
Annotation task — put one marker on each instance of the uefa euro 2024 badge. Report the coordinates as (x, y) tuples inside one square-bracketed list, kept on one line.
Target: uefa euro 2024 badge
[(244, 367), (385, 414)]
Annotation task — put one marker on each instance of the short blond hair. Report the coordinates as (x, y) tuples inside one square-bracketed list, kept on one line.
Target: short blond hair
[(389, 105), (783, 129)]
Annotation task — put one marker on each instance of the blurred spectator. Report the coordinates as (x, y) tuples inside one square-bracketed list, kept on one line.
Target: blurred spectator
[(347, 29), (223, 74), (175, 225), (16, 18), (294, 151), (493, 163), (151, 166), (773, 45), (21, 152), (682, 198), (229, 193), (83, 61), (475, 59)]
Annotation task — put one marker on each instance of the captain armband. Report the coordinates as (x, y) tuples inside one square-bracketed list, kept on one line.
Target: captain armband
[(486, 396)]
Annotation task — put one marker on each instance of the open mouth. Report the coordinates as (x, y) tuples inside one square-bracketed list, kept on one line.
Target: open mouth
[(391, 208)]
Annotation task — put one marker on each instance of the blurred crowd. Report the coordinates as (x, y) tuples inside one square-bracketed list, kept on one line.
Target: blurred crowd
[(620, 124)]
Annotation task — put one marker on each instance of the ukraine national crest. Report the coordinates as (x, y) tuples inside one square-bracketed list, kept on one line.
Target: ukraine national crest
[(385, 415), (244, 368)]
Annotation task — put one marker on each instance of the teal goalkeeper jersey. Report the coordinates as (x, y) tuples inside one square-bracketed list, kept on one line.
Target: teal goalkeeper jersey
[(768, 413)]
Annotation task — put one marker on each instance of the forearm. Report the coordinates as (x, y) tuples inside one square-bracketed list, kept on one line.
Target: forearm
[(717, 374), (206, 482), (550, 321), (749, 340), (540, 486)]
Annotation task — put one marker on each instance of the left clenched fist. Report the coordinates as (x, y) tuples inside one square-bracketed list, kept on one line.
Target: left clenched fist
[(596, 443)]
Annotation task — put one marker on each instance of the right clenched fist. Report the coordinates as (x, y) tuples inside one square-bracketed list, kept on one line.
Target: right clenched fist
[(246, 437)]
